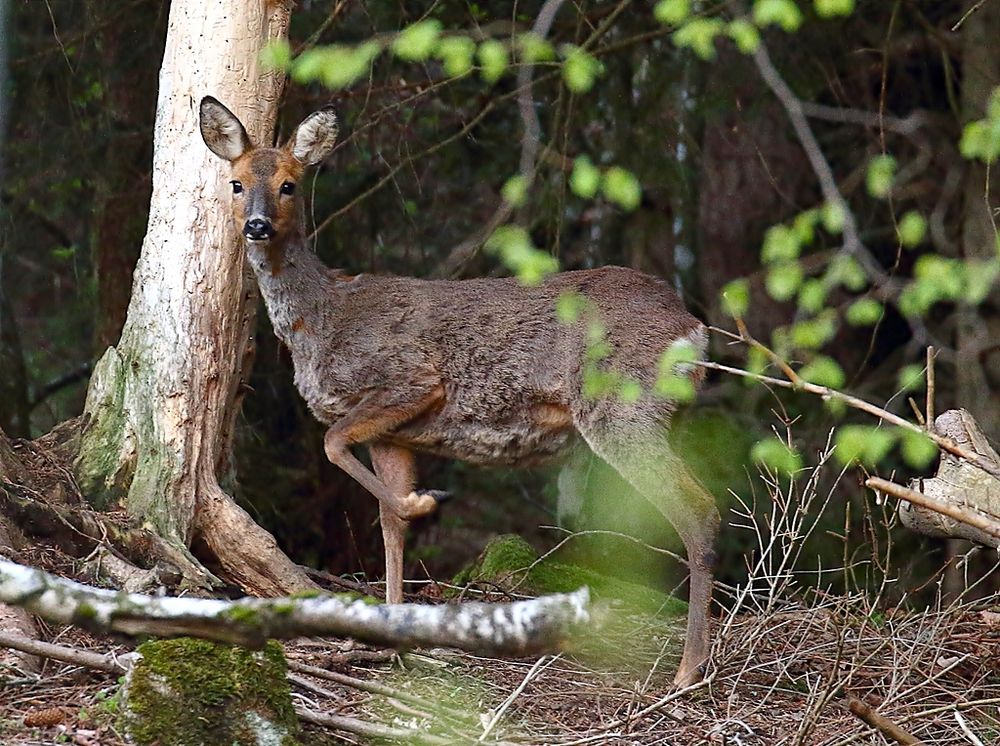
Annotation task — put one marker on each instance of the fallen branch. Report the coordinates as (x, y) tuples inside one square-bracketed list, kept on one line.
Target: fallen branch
[(370, 730), (955, 512), (881, 723), (517, 628), (107, 662)]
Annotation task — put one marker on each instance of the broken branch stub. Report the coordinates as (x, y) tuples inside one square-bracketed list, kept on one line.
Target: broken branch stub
[(957, 483)]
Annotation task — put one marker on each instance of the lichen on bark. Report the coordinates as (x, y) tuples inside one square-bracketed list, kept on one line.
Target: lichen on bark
[(184, 692)]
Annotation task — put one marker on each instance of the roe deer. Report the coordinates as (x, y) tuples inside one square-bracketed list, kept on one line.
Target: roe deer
[(477, 370)]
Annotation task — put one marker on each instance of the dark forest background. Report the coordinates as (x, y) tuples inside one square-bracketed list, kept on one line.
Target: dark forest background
[(412, 184)]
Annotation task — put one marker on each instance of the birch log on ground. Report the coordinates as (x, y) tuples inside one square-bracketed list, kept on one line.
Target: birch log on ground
[(162, 403), (533, 626), (957, 483)]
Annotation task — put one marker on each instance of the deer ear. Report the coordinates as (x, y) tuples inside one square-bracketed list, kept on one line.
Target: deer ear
[(315, 137), (222, 132)]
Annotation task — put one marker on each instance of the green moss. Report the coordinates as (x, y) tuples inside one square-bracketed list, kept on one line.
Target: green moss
[(506, 560), (84, 614), (185, 692), (241, 615)]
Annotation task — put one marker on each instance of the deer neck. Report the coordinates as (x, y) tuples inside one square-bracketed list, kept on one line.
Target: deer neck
[(292, 280)]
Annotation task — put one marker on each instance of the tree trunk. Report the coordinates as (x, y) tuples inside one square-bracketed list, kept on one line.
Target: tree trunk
[(161, 406)]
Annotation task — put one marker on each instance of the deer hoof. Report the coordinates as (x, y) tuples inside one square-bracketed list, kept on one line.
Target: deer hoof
[(440, 496), (419, 504)]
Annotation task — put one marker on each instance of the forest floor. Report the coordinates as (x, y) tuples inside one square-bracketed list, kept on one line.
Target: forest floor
[(782, 673)]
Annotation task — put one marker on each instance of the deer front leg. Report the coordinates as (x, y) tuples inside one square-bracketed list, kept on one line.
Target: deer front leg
[(366, 423), (395, 466)]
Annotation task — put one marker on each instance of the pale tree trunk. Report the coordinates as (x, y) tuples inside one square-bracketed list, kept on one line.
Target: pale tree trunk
[(161, 406)]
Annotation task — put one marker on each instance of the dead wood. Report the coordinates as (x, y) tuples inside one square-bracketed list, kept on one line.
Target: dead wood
[(882, 723), (960, 484)]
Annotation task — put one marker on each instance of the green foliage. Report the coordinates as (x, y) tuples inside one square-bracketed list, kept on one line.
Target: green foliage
[(981, 138), (834, 8), (735, 298), (570, 306), (580, 69), (880, 175), (277, 55), (699, 36), (910, 378), (811, 334), (844, 270), (456, 52), (516, 250), (673, 381), (832, 217), (416, 42), (781, 244), (514, 190), (865, 444), (824, 371), (812, 296), (585, 179), (493, 60), (777, 456), (672, 12), (912, 229), (783, 280), (864, 312), (335, 66), (622, 187), (744, 34), (534, 48), (783, 13), (918, 450)]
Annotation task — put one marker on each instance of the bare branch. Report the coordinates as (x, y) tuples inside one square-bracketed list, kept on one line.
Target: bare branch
[(981, 522), (521, 627)]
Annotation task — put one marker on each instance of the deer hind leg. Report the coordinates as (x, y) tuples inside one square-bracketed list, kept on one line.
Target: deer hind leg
[(643, 456), (395, 467)]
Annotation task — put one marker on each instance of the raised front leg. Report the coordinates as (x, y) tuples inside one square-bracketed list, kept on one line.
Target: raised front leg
[(374, 417)]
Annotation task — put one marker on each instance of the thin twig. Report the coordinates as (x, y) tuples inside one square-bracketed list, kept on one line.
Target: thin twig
[(107, 662), (881, 723), (955, 512), (540, 665), (929, 419)]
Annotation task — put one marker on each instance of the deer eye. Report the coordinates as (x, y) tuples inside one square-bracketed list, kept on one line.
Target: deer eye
[(288, 188), (237, 187)]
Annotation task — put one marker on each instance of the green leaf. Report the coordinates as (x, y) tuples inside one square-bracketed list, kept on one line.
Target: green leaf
[(534, 48), (783, 280), (673, 381), (735, 298), (621, 187), (699, 35), (336, 66), (881, 172), (456, 52), (515, 190), (824, 371), (912, 228), (833, 8), (672, 12), (832, 217), (776, 456), (845, 270), (580, 69), (781, 244), (804, 226), (910, 378), (745, 34), (678, 388), (981, 139), (513, 244), (569, 306), (630, 390), (812, 334), (585, 179), (783, 13), (864, 312), (493, 60), (812, 296), (918, 450), (863, 443), (277, 55), (979, 279), (416, 42)]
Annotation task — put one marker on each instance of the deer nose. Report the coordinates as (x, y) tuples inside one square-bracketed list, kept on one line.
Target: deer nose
[(258, 229)]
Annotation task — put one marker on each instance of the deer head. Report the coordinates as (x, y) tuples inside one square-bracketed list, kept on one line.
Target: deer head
[(264, 179)]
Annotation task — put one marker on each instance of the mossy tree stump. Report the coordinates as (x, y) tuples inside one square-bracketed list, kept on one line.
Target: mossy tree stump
[(188, 692)]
